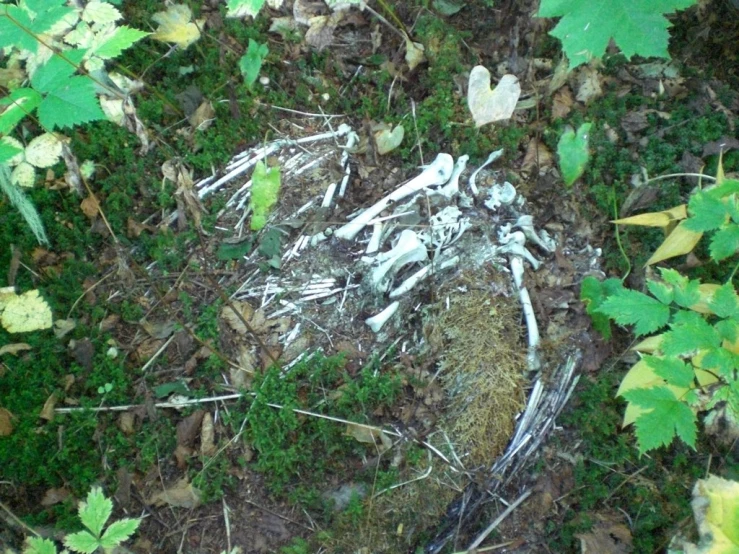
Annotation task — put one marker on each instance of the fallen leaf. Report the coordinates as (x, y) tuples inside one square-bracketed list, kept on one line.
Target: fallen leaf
[(562, 103), (44, 151), (207, 436), (90, 207), (182, 495), (25, 312), (47, 412), (489, 105), (62, 327), (23, 175), (607, 536), (589, 87), (55, 496), (233, 320), (387, 140), (680, 241), (14, 348), (320, 34), (6, 422), (126, 423), (175, 25), (369, 435), (203, 116), (188, 428), (537, 156), (159, 329), (414, 53)]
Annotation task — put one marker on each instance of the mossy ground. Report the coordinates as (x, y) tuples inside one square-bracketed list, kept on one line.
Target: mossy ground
[(78, 450)]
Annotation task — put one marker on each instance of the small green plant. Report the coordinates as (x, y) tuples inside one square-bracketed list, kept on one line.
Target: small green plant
[(692, 366), (251, 62), (573, 153), (264, 193), (586, 28), (94, 514)]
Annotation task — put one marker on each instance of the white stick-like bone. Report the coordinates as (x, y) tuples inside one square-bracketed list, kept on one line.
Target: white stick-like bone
[(545, 242), (420, 275), (514, 244), (436, 173), (532, 356), (491, 158), (409, 249), (376, 322), (374, 243)]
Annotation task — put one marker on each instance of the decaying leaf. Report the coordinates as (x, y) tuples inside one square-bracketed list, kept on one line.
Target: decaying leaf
[(45, 150), (207, 436), (6, 422), (320, 34), (656, 219), (203, 116), (369, 435), (55, 496), (489, 105), (90, 207), (680, 241), (25, 312), (182, 495), (387, 140), (414, 53), (176, 25), (187, 198), (47, 412), (233, 320), (14, 348), (62, 327)]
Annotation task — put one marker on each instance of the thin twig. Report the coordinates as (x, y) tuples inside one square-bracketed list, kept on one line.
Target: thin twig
[(499, 520)]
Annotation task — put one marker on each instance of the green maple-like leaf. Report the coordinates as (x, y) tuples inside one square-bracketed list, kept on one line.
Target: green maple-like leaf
[(666, 417), (638, 27), (82, 541), (251, 62), (689, 333), (39, 546), (118, 40), (71, 104), (673, 370), (95, 511), (119, 531), (725, 242), (725, 302), (573, 153), (686, 292), (707, 213), (593, 293), (629, 307)]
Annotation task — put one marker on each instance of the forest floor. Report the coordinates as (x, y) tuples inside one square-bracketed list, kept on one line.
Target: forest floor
[(161, 297)]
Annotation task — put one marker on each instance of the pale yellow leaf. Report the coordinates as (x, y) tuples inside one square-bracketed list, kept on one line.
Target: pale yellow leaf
[(14, 348), (113, 109), (24, 175), (656, 219), (176, 25), (100, 13), (680, 241), (414, 53), (369, 435), (489, 105), (386, 140), (649, 345), (44, 150), (26, 312)]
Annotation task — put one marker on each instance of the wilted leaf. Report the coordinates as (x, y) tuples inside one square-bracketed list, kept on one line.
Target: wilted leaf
[(320, 34), (386, 140), (14, 348), (488, 105), (25, 312), (44, 151), (55, 496), (182, 495), (90, 207), (233, 320), (655, 219), (6, 422), (207, 436), (369, 435), (680, 241), (176, 25), (62, 327), (414, 53), (47, 412), (203, 117), (24, 175)]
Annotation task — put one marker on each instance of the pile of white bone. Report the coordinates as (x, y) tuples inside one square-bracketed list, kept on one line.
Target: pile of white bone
[(440, 179)]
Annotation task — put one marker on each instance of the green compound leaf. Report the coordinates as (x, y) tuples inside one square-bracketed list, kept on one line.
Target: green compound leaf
[(686, 292), (95, 511), (721, 362), (39, 546), (13, 24), (119, 531), (689, 333), (264, 192), (573, 153), (707, 213), (661, 291), (629, 307), (725, 302), (638, 27), (116, 42), (673, 370), (593, 293), (243, 8), (728, 329), (20, 103), (71, 104), (8, 151), (82, 541), (725, 243), (666, 418), (57, 71), (251, 62)]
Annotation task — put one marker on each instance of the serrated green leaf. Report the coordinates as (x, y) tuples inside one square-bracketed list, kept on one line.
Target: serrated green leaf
[(95, 511), (57, 70), (234, 250), (265, 189), (39, 546), (661, 292), (721, 362), (686, 292), (673, 370), (251, 62), (119, 531), (707, 213), (17, 105), (8, 151), (71, 104), (724, 243), (82, 541), (727, 187), (243, 8), (638, 27), (121, 38), (573, 153), (725, 302), (689, 333), (15, 25), (593, 292), (47, 19), (728, 329), (629, 307), (666, 418)]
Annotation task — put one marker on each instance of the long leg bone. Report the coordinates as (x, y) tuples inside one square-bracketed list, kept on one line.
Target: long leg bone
[(532, 356), (376, 322), (436, 173)]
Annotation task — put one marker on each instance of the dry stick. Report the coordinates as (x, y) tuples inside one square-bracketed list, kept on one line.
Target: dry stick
[(499, 520), (17, 520)]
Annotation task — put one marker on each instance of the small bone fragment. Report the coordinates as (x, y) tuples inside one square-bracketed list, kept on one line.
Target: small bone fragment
[(545, 242), (409, 249), (514, 244), (374, 243), (503, 194), (376, 322), (436, 173), (451, 189), (491, 158), (420, 275)]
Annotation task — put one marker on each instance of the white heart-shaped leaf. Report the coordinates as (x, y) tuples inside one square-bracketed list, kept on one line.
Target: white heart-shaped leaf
[(387, 141), (489, 105)]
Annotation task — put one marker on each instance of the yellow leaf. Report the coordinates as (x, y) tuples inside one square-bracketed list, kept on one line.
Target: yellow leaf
[(414, 53), (175, 25), (656, 219), (679, 242), (706, 291), (369, 435), (641, 376), (25, 312), (649, 345)]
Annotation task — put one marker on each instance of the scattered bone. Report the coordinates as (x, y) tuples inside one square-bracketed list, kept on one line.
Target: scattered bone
[(491, 158), (377, 322)]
